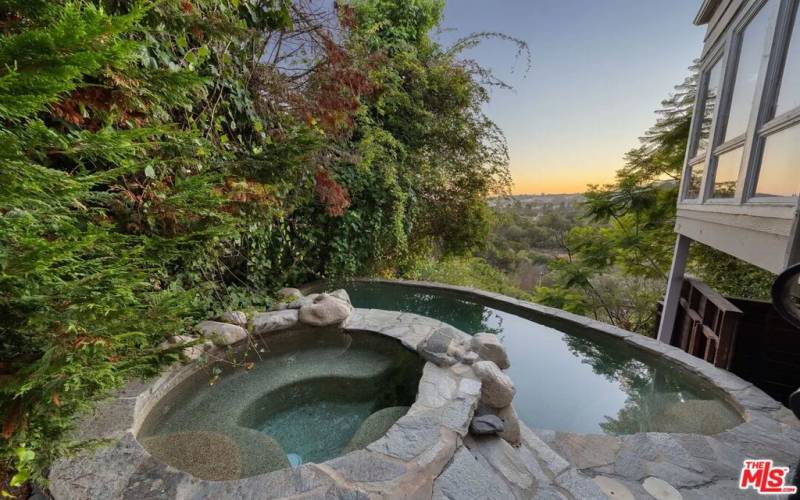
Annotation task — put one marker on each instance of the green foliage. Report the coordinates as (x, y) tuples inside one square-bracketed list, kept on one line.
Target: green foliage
[(465, 271), (163, 161), (618, 258)]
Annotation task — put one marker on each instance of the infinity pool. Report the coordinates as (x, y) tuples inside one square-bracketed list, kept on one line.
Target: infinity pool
[(571, 382)]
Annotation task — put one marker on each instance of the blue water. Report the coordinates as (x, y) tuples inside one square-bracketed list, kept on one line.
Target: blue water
[(570, 382)]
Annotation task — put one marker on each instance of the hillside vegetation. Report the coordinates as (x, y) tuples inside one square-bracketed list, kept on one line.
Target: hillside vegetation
[(165, 160), (605, 253)]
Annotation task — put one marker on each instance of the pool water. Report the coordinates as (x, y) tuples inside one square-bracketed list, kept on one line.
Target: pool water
[(291, 398), (574, 382)]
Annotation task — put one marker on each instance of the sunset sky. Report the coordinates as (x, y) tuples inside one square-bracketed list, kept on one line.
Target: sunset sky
[(599, 70)]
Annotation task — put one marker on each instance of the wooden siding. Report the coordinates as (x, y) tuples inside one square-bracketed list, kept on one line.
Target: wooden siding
[(760, 240)]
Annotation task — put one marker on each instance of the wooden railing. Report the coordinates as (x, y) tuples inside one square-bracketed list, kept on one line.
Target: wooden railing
[(706, 324)]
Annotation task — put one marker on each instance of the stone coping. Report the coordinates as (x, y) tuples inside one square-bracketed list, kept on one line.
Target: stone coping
[(429, 454), (693, 465), (404, 462)]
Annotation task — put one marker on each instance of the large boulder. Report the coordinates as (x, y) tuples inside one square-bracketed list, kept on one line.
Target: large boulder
[(289, 294), (273, 321), (237, 318), (489, 348), (341, 294), (325, 310), (222, 334), (301, 301), (286, 297), (497, 389)]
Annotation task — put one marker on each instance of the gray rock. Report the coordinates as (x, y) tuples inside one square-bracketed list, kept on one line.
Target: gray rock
[(580, 486), (438, 346), (455, 414), (554, 462), (410, 437), (274, 321), (511, 426), (469, 387), (721, 489), (302, 301), (504, 459), (661, 490), (436, 387), (466, 477), (659, 455), (238, 318), (613, 488), (189, 353), (587, 451), (367, 467), (467, 357), (486, 424), (222, 334), (325, 310), (488, 347), (497, 389), (341, 294), (97, 473), (289, 294)]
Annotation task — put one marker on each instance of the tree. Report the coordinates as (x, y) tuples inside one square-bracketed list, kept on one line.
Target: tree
[(165, 161), (617, 261)]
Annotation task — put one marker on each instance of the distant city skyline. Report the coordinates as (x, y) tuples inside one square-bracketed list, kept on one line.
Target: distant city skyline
[(599, 71)]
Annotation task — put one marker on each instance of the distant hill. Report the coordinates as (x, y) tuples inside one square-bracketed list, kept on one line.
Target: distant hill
[(536, 200)]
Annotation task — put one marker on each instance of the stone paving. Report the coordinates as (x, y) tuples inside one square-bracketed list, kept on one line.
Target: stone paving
[(429, 452)]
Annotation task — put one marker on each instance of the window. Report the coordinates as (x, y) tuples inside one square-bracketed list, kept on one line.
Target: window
[(728, 148), (779, 170), (736, 145), (695, 175), (780, 164), (712, 82), (789, 90), (727, 173), (709, 106), (751, 50)]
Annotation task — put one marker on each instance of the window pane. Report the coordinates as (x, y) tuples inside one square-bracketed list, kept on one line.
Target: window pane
[(789, 93), (695, 178), (709, 105), (744, 87), (780, 164), (727, 173)]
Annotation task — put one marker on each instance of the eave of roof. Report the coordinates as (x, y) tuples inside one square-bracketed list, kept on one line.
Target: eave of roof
[(706, 12)]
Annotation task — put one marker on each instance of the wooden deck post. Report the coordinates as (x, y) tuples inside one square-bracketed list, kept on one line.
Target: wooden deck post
[(673, 297)]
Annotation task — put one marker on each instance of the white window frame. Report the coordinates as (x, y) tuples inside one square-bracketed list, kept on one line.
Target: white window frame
[(759, 126), (767, 124), (718, 55), (745, 140)]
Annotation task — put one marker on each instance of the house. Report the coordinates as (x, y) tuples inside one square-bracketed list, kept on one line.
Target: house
[(741, 177)]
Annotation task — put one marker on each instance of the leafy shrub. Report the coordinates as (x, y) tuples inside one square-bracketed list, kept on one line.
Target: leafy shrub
[(163, 161)]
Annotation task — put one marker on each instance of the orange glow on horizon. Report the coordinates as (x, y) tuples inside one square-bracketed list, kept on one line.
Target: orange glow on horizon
[(559, 181)]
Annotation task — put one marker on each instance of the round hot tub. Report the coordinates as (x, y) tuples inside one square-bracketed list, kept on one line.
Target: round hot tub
[(283, 400)]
